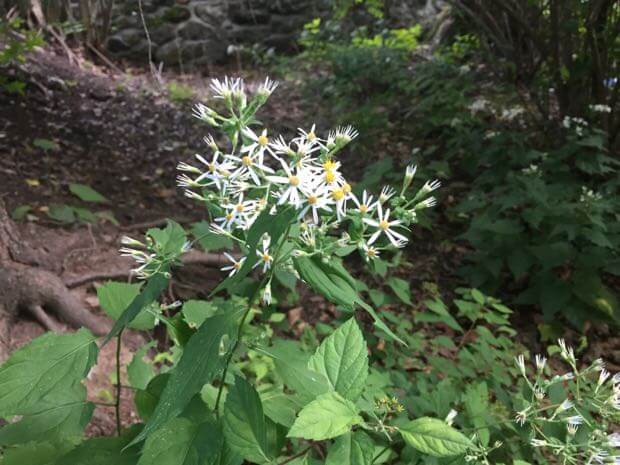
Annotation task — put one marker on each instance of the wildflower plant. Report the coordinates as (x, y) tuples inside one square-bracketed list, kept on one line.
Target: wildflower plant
[(571, 416)]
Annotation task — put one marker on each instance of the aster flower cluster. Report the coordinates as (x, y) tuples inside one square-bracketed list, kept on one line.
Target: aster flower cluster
[(258, 171), (585, 402)]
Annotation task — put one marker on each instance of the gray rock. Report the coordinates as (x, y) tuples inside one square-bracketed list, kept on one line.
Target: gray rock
[(288, 23), (163, 33), (176, 14), (125, 40), (243, 12), (195, 30), (248, 34)]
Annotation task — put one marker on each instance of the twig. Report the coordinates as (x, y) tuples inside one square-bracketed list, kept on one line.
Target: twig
[(104, 58), (298, 454)]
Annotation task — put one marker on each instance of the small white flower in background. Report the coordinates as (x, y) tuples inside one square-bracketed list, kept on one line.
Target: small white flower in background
[(598, 456), (565, 405), (205, 113), (384, 226), (600, 108), (574, 420), (520, 361), (539, 393), (614, 440), (430, 186), (567, 352), (540, 362), (235, 266), (266, 297), (426, 203), (450, 417), (538, 442), (341, 137), (226, 88), (264, 258), (602, 377), (522, 415)]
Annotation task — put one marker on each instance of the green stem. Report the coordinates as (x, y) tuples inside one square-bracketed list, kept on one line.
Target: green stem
[(117, 403), (251, 303)]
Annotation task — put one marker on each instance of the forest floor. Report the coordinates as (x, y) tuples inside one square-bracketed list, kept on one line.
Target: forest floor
[(120, 133)]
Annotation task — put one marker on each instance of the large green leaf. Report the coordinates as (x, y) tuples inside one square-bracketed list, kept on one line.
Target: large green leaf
[(343, 359), (65, 417), (48, 365), (245, 427), (183, 442), (154, 286), (36, 453), (292, 366), (328, 416), (351, 449), (333, 282), (115, 297), (279, 406), (201, 362), (434, 437), (104, 451)]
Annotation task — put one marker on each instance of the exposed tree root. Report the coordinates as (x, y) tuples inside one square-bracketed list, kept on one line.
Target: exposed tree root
[(26, 287)]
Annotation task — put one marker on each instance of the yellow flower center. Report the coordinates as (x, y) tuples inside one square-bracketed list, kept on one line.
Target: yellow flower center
[(229, 216), (212, 167), (371, 252), (294, 180), (237, 265), (312, 199), (311, 135), (346, 188), (337, 194), (329, 165), (239, 208), (263, 140), (247, 161), (363, 208), (384, 225), (266, 257), (329, 176)]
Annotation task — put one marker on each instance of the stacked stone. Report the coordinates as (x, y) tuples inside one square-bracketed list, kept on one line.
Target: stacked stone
[(195, 32)]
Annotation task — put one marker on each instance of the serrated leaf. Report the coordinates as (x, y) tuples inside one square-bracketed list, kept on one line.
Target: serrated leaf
[(87, 193), (343, 359), (245, 428), (183, 442), (104, 451), (351, 449), (434, 437), (140, 372), (49, 364), (201, 362), (115, 297), (328, 416)]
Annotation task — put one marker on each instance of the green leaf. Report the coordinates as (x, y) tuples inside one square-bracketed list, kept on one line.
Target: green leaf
[(333, 282), (115, 297), (208, 240), (401, 289), (478, 296), (36, 453), (434, 437), (20, 212), (46, 144), (65, 417), (87, 193), (154, 286), (62, 213), (140, 372), (244, 422), (197, 311), (292, 366), (328, 416), (169, 241), (104, 451), (343, 359), (351, 449), (279, 406), (49, 364), (201, 362), (183, 442)]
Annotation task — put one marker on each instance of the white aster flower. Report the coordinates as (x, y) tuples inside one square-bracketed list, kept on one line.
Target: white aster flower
[(234, 266), (384, 226), (450, 417), (370, 252), (293, 184), (386, 194), (266, 88), (520, 361), (226, 88), (251, 165), (264, 257), (315, 199), (540, 362), (341, 137), (340, 195), (258, 144), (366, 205)]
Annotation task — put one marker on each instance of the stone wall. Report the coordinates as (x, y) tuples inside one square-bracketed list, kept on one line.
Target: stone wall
[(195, 32)]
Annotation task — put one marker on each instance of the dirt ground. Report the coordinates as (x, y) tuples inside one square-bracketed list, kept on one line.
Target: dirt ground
[(119, 133)]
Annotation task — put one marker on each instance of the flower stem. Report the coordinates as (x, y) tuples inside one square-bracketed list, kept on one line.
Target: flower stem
[(117, 402)]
